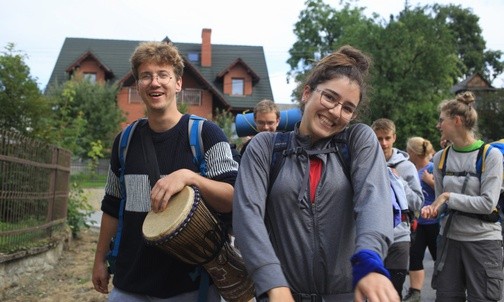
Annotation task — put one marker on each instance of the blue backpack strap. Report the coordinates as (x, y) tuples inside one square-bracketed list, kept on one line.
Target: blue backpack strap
[(195, 127), (281, 143), (343, 154), (124, 141)]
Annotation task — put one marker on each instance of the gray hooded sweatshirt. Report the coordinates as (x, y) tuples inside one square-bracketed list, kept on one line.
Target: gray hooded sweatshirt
[(412, 186), (286, 240)]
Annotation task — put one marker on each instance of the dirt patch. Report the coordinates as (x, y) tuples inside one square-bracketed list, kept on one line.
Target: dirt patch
[(95, 197), (68, 280)]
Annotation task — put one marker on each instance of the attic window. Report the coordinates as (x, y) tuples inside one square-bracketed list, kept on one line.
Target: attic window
[(90, 77), (237, 86), (193, 57)]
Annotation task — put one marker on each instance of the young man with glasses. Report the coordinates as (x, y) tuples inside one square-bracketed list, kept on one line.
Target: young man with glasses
[(266, 118), (145, 272)]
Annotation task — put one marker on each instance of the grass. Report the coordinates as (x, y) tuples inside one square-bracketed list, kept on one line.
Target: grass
[(88, 181)]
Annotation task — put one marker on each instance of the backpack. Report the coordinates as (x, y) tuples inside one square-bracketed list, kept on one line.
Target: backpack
[(480, 168), (281, 142)]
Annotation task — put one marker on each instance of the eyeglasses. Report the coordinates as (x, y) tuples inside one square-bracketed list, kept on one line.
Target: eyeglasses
[(330, 101), (162, 78)]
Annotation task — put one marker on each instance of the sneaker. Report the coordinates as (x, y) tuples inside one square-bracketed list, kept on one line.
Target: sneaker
[(412, 296)]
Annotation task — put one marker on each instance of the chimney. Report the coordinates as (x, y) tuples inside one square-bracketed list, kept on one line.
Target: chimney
[(206, 48)]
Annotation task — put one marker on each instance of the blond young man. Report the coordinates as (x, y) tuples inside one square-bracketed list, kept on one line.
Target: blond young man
[(266, 118)]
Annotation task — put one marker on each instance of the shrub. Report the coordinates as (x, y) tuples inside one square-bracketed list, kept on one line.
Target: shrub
[(79, 209)]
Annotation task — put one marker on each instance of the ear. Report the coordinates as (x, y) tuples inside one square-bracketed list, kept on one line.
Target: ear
[(307, 92), (458, 120), (178, 85)]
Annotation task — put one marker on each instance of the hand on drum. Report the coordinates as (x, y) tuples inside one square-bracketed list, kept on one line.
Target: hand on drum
[(168, 186)]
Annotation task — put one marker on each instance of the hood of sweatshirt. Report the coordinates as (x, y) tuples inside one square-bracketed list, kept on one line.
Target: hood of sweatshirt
[(398, 156)]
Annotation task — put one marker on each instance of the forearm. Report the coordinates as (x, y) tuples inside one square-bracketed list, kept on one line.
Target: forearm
[(108, 230), (219, 195)]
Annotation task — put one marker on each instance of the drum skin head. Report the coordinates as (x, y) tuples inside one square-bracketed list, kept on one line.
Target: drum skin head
[(157, 225)]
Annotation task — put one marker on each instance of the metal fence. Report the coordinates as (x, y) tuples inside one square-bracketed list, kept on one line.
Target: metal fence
[(34, 185)]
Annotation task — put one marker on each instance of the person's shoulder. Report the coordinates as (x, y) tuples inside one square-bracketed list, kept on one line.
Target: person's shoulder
[(360, 130), (262, 141), (263, 137)]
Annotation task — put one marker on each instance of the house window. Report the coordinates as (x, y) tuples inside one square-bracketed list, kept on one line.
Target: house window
[(90, 77), (193, 57), (237, 86), (133, 96), (190, 97)]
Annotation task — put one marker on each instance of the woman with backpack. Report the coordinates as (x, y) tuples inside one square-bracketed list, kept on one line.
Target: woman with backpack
[(420, 151), (309, 232), (467, 184)]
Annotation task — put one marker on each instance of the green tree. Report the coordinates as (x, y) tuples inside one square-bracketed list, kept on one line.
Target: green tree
[(491, 114), (23, 108), (469, 41), (415, 63), (320, 30), (417, 57), (84, 113), (225, 120)]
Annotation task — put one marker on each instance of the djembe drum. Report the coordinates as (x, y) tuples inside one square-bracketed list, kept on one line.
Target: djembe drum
[(190, 232)]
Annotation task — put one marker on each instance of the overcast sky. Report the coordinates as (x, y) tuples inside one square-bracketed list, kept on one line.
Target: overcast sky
[(39, 28)]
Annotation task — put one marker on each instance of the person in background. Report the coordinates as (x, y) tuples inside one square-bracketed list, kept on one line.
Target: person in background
[(469, 254), (308, 235), (145, 272), (420, 153), (398, 256), (266, 118)]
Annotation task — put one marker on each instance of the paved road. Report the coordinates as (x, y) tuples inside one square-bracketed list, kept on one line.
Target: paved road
[(428, 294)]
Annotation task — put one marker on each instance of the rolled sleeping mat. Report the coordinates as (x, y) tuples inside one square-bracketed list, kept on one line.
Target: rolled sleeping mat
[(245, 124)]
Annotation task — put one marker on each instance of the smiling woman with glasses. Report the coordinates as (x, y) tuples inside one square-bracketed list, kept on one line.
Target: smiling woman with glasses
[(310, 196), (331, 100)]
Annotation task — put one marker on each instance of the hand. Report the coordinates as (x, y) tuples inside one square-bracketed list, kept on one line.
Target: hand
[(375, 287), (168, 186), (432, 210), (428, 178), (100, 277)]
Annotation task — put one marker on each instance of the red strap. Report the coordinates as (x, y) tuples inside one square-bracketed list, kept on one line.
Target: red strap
[(315, 172)]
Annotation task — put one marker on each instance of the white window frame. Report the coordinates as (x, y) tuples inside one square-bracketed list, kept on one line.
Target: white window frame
[(237, 86), (90, 77)]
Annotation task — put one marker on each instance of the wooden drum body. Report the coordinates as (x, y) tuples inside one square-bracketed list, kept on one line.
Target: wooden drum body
[(190, 232)]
